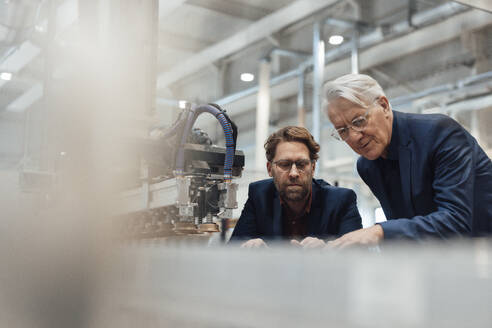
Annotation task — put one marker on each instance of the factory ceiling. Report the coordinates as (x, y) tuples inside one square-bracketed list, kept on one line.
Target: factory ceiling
[(203, 47)]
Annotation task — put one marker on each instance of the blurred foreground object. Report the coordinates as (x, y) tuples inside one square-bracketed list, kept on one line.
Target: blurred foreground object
[(415, 286)]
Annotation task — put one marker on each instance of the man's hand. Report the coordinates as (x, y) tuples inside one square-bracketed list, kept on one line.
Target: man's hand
[(254, 243), (366, 237), (308, 242)]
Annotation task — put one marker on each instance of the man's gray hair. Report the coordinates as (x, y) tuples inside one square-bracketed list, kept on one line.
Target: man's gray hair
[(359, 89)]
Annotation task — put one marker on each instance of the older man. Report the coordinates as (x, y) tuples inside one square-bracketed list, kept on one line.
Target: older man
[(293, 205), (429, 174)]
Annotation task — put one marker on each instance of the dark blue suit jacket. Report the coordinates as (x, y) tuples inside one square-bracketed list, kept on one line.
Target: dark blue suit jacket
[(333, 212), (445, 179)]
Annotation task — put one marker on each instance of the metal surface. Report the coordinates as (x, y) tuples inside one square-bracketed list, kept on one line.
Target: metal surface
[(443, 285), (183, 184), (150, 196), (208, 227), (161, 194), (195, 187), (185, 228), (231, 195), (225, 214)]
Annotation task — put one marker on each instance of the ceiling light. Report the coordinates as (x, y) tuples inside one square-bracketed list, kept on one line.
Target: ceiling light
[(335, 39), (247, 77), (6, 76), (182, 104)]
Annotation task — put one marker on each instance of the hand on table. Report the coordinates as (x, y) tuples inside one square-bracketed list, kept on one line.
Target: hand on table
[(363, 237), (254, 243), (308, 242)]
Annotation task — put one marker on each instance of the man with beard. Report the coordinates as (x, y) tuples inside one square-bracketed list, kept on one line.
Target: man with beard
[(294, 206)]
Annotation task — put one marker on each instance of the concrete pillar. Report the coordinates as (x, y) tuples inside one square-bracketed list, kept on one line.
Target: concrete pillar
[(318, 78), (474, 125), (354, 58), (318, 72), (301, 109), (110, 96), (262, 113)]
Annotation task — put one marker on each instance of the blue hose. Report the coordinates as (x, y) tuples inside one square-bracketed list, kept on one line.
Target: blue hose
[(228, 133)]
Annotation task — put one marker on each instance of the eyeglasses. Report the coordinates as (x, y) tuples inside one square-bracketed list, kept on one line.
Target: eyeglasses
[(358, 124), (286, 165)]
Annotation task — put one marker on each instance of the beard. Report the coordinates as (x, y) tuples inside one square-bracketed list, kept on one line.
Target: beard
[(295, 193)]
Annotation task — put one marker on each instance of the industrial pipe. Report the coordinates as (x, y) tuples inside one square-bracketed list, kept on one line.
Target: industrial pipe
[(228, 133)]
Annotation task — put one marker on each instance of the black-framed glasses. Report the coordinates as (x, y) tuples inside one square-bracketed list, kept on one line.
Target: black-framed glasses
[(358, 124), (286, 165)]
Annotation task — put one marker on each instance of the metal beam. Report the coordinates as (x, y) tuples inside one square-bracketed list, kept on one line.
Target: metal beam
[(479, 4), (182, 42), (470, 105), (290, 53), (166, 7), (376, 55), (232, 8), (27, 98), (253, 33), (19, 59)]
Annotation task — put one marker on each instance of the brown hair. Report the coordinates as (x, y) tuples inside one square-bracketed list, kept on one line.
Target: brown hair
[(291, 133)]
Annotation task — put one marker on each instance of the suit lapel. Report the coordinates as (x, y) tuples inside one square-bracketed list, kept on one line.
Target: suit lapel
[(374, 174), (277, 215), (405, 161), (314, 218)]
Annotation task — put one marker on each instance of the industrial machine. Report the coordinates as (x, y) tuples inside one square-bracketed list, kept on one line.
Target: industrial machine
[(186, 183)]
